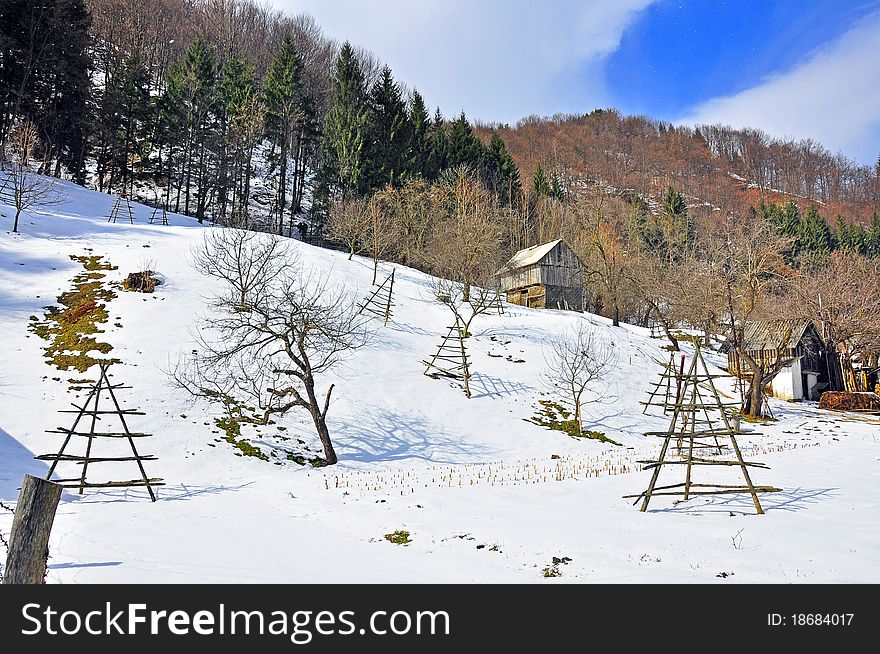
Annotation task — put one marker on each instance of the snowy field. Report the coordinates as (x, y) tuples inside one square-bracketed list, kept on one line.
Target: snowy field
[(474, 483)]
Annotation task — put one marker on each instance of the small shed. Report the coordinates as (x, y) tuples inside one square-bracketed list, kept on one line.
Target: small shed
[(796, 340), (544, 277)]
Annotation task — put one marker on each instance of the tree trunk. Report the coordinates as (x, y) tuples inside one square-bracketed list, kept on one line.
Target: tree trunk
[(756, 394), (15, 222), (29, 540), (319, 417)]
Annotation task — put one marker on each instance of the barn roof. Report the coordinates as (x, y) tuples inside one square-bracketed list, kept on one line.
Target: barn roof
[(770, 334), (530, 256)]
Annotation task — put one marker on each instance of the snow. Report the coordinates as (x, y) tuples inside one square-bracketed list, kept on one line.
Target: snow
[(415, 453)]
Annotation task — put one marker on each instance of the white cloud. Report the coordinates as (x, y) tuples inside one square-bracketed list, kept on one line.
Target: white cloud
[(499, 60), (833, 96)]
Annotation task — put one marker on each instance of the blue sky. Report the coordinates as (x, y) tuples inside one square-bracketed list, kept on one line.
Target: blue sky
[(795, 68)]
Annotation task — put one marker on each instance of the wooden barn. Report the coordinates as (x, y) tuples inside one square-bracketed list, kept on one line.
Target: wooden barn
[(544, 277), (806, 377)]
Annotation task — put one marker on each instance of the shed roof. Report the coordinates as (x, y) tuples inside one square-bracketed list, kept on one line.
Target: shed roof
[(530, 256), (771, 334)]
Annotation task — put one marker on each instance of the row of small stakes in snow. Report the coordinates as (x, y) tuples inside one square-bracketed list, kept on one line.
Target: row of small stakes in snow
[(518, 473)]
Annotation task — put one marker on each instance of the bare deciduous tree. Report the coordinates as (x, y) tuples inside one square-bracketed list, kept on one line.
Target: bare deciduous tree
[(576, 362), (347, 223), (272, 333), (26, 188)]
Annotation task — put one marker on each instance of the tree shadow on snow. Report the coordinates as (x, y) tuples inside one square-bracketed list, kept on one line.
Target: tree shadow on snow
[(388, 436), (496, 386), (15, 462), (175, 493), (795, 499)]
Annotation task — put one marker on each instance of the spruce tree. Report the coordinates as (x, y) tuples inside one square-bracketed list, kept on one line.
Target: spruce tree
[(285, 117), (345, 127), (187, 107), (437, 157), (678, 230), (463, 148), (540, 183), (873, 236), (123, 121), (420, 138), (816, 239), (240, 121), (501, 172), (388, 134)]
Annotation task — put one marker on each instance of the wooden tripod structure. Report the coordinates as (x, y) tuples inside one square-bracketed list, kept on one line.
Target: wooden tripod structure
[(121, 209), (687, 427), (669, 385), (159, 215), (381, 301), (91, 411), (451, 360)]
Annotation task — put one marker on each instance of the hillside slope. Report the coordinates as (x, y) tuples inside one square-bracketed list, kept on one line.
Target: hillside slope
[(415, 453)]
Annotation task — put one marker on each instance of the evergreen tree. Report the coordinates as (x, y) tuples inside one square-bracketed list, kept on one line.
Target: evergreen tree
[(500, 171), (123, 121), (816, 239), (557, 191), (187, 108), (241, 116), (286, 115), (44, 76), (345, 127), (540, 183), (437, 158), (873, 236), (420, 143), (463, 148), (675, 224), (389, 134)]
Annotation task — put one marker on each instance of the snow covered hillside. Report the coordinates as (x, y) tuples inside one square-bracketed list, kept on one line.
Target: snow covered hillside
[(486, 495)]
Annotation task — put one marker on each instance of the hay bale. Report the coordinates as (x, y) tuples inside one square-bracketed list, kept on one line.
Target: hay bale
[(850, 402), (141, 282)]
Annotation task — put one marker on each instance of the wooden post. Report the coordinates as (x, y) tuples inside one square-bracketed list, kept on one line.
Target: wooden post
[(29, 540)]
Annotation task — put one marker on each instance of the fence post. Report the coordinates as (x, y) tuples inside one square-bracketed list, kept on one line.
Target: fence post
[(29, 540)]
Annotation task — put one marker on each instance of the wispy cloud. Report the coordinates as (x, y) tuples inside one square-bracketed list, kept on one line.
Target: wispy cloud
[(499, 60), (832, 96)]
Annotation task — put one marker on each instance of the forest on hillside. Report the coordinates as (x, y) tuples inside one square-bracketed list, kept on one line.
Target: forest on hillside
[(234, 113)]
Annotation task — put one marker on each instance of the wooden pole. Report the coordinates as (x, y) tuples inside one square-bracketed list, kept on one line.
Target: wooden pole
[(29, 540)]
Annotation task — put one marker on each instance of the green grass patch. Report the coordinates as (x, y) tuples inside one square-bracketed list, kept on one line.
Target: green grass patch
[(399, 537), (556, 417), (232, 429), (70, 328)]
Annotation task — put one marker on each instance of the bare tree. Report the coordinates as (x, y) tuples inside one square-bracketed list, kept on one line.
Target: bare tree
[(379, 229), (347, 223), (843, 299), (26, 188), (466, 242), (576, 362), (272, 333)]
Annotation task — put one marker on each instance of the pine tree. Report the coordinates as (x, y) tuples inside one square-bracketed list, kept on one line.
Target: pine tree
[(285, 118), (540, 183), (463, 148), (873, 236), (500, 171), (388, 134), (437, 158), (816, 239), (345, 127), (187, 108), (557, 191), (241, 117), (678, 230), (123, 120), (44, 76), (420, 138)]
